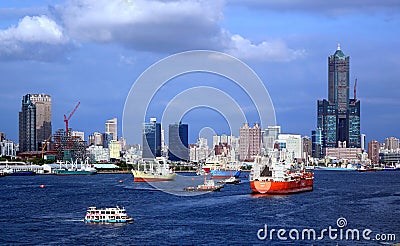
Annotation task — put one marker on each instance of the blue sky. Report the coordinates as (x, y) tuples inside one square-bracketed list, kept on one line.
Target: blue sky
[(92, 51)]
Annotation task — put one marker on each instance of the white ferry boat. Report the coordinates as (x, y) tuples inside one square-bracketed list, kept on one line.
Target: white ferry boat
[(107, 215)]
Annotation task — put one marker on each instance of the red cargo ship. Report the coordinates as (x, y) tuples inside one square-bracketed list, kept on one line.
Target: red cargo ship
[(279, 178)]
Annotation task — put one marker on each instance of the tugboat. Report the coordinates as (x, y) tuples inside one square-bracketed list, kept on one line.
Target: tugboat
[(107, 215), (208, 185), (276, 176)]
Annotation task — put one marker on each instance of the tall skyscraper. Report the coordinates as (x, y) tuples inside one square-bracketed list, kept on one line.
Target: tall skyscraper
[(151, 139), (112, 128), (178, 137), (392, 143), (339, 116), (249, 142), (34, 130), (27, 125), (43, 117)]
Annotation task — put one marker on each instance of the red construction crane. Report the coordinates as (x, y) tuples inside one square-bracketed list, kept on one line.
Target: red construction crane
[(69, 117)]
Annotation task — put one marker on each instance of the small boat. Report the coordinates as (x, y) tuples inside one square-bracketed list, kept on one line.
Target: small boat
[(348, 168), (208, 185), (107, 215), (153, 171), (231, 180), (364, 169)]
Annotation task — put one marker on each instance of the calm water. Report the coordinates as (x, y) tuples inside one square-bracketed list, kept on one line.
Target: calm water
[(54, 215)]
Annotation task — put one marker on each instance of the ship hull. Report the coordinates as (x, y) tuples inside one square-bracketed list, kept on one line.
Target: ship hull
[(21, 173), (223, 174), (284, 187), (68, 172), (144, 177)]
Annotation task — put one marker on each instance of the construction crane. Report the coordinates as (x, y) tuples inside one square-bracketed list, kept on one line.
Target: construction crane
[(66, 120)]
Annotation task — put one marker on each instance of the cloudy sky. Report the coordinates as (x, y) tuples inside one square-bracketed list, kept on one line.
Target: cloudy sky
[(92, 51)]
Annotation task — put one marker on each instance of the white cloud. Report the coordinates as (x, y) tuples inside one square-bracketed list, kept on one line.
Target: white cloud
[(145, 25), (33, 37), (267, 51), (142, 25)]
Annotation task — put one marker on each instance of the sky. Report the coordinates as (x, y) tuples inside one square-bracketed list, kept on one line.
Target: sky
[(93, 51)]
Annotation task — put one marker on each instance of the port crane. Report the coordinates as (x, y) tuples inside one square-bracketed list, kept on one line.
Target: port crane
[(66, 119)]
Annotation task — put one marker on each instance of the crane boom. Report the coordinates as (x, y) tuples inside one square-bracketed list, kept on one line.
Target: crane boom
[(66, 120)]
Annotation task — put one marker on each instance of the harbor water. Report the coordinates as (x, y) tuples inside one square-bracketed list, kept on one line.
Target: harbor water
[(53, 214)]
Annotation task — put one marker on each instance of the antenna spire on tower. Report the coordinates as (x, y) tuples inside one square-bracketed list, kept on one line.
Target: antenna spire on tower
[(355, 90), (338, 46)]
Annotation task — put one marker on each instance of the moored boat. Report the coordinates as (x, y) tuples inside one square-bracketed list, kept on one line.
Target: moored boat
[(75, 169), (273, 176), (222, 174), (107, 215), (153, 170), (231, 180)]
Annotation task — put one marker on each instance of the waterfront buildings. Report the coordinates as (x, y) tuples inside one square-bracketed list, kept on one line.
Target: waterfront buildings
[(111, 128), (115, 150), (343, 153), (392, 143), (200, 151), (98, 153), (96, 139), (151, 139), (8, 148), (250, 142), (178, 139), (339, 116), (373, 151), (290, 142)]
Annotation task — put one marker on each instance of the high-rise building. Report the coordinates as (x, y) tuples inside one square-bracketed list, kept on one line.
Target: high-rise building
[(339, 116), (249, 142), (270, 135), (316, 139), (151, 139), (34, 121), (2, 136), (112, 128), (363, 137), (178, 142), (96, 139), (43, 117), (373, 151), (27, 125)]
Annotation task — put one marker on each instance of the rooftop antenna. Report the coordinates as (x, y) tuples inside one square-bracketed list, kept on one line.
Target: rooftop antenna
[(355, 90), (338, 46)]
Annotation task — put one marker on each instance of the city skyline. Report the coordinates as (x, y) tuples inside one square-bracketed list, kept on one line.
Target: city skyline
[(99, 70)]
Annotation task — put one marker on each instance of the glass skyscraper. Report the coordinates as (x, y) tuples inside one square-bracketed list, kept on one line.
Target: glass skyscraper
[(27, 125), (151, 139), (339, 116), (178, 135)]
